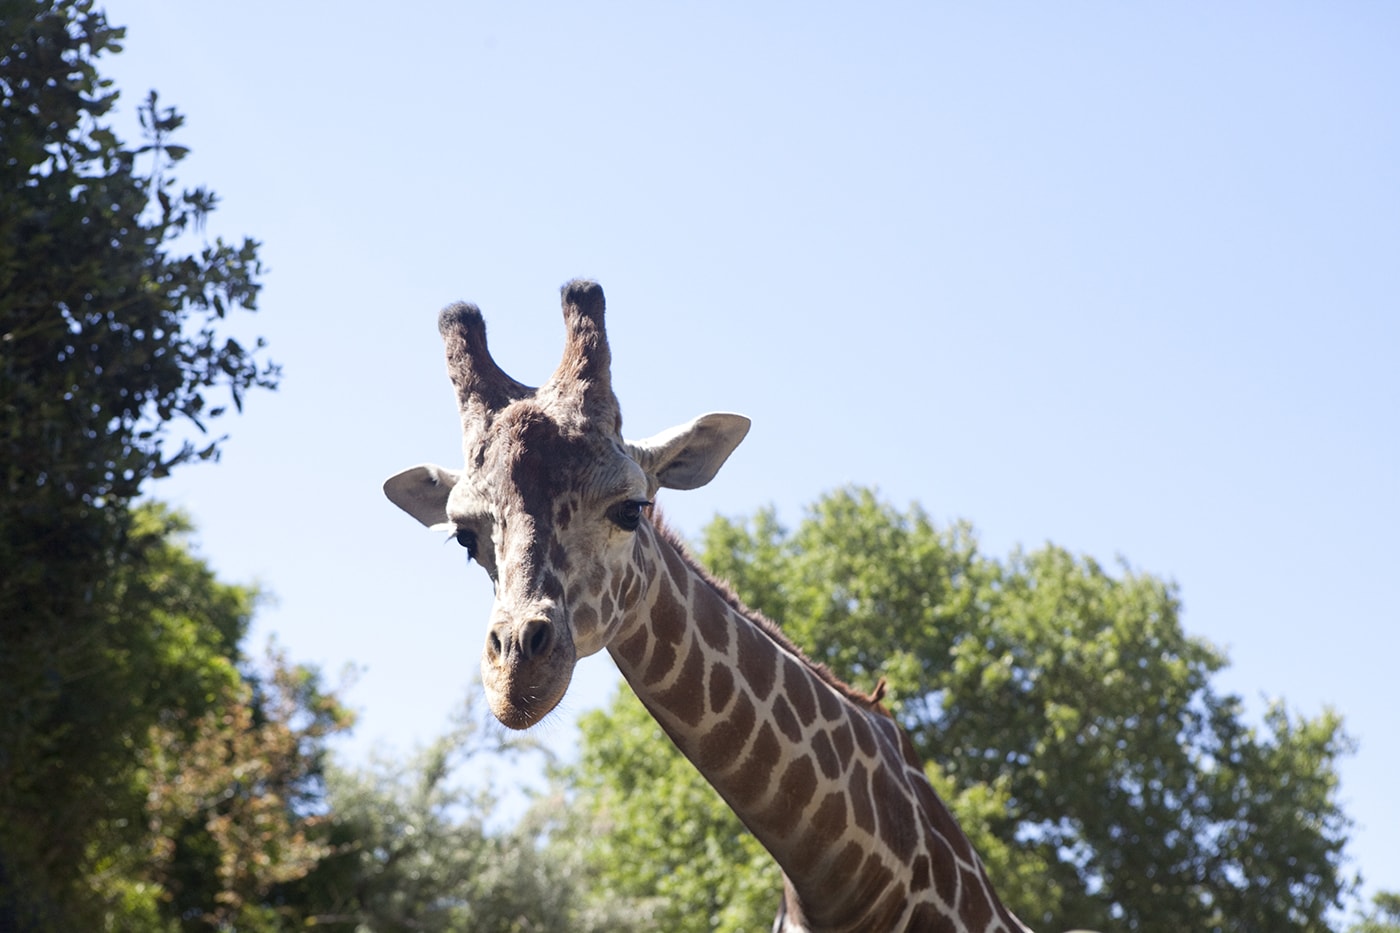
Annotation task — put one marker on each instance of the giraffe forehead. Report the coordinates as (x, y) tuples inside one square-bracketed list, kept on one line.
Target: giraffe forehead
[(535, 461)]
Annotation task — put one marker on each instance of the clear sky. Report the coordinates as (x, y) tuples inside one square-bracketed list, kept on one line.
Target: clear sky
[(1121, 277)]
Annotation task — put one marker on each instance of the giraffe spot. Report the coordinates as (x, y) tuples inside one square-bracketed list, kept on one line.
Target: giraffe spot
[(607, 607), (853, 894), (785, 720), (668, 620), (663, 659), (799, 783), (551, 587), (841, 739), (890, 906), (721, 686), (721, 745), (558, 556), (862, 808), (797, 684), (945, 871), (826, 756), (803, 857), (927, 799), (941, 821), (753, 777), (886, 728), (847, 862), (634, 650), (756, 665), (830, 704), (585, 620), (898, 824), (564, 515), (685, 698), (874, 877), (920, 874), (714, 628), (927, 918), (865, 736), (976, 906), (677, 570), (829, 822)]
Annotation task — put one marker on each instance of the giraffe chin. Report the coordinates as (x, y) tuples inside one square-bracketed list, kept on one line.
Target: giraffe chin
[(523, 708)]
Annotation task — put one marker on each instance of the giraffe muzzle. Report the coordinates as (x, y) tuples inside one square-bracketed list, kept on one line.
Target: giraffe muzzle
[(526, 667)]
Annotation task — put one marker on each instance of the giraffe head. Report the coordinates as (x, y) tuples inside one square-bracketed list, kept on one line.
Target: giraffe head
[(551, 500)]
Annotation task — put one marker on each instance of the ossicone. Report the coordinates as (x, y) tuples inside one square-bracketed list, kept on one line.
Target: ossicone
[(583, 379), (482, 387)]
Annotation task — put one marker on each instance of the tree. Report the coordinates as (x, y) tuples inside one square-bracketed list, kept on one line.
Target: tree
[(232, 810), (1384, 917), (111, 344), (411, 849), (1063, 712), (216, 803)]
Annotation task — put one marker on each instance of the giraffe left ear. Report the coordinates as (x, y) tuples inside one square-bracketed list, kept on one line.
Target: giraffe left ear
[(689, 456), (422, 492)]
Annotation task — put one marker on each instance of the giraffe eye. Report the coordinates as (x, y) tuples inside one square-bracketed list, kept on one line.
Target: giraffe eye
[(467, 539), (628, 515)]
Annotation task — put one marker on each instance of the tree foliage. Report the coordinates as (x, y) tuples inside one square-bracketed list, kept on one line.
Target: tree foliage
[(411, 849), (1383, 917), (232, 810), (211, 797), (110, 332), (1064, 713), (112, 347)]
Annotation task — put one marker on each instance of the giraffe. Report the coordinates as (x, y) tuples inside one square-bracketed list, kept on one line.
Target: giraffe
[(558, 509)]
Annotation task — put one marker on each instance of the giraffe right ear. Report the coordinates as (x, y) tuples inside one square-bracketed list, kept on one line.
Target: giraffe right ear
[(422, 492), (689, 456)]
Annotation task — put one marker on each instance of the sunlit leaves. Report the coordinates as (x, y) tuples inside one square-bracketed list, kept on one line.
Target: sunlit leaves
[(232, 799)]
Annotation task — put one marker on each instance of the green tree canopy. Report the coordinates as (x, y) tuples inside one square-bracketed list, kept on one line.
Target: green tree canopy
[(112, 349), (228, 810), (1063, 712), (411, 849)]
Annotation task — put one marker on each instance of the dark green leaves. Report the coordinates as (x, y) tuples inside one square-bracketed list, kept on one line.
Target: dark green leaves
[(111, 358)]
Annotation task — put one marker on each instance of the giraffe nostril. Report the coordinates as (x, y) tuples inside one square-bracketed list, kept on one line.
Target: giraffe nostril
[(493, 644), (536, 638)]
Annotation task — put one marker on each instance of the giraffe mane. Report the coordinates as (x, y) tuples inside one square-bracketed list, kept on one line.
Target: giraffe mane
[(870, 701)]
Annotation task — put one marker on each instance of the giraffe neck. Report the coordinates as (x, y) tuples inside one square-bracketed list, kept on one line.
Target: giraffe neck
[(823, 777)]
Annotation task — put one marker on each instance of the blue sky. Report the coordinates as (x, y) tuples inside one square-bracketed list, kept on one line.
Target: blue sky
[(1120, 277)]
